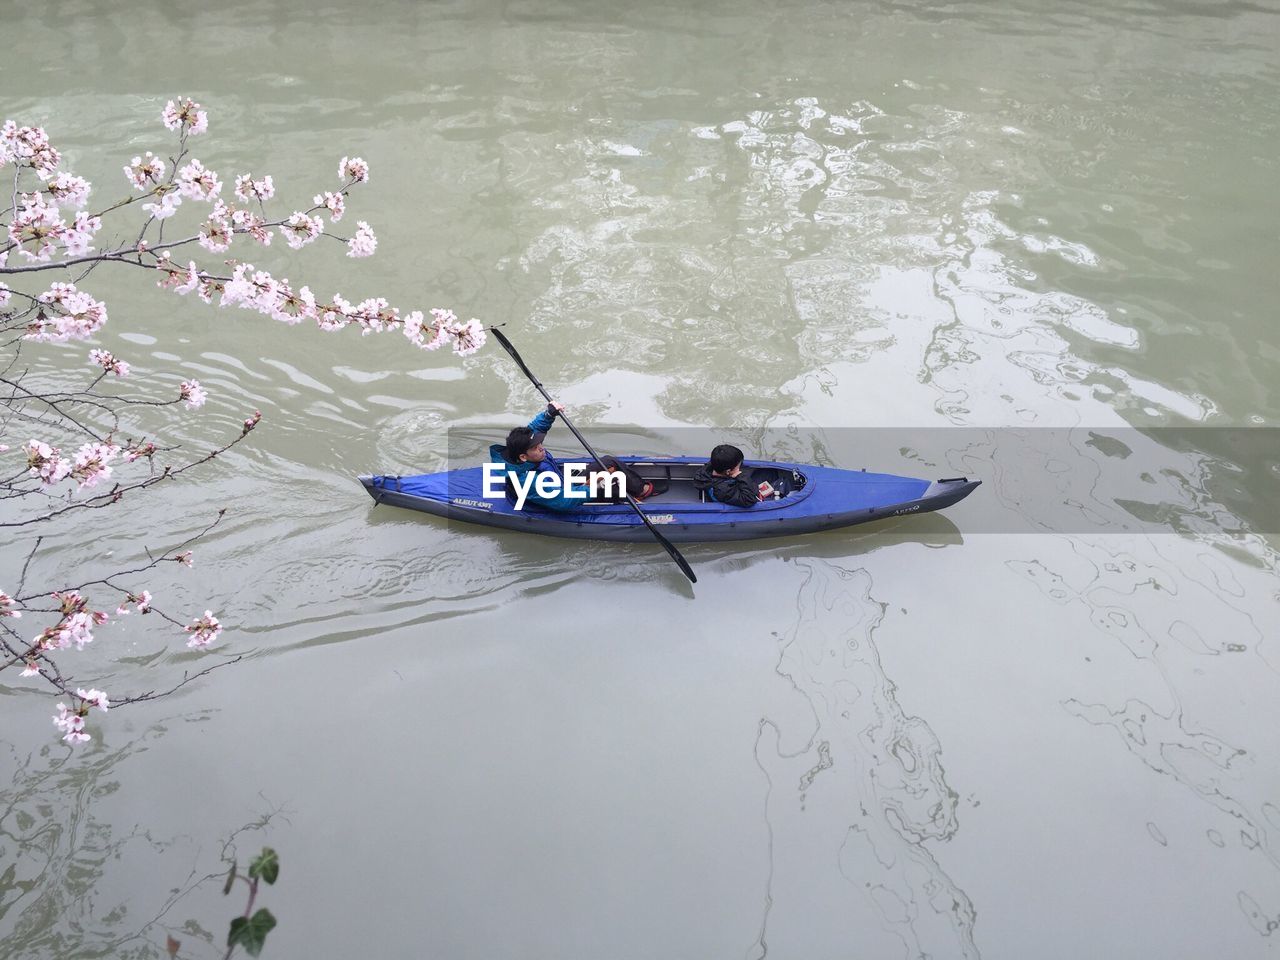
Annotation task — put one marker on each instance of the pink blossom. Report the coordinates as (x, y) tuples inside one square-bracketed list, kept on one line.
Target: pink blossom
[(354, 169), (30, 670), (138, 451), (216, 234), (207, 287), (185, 115), (141, 601), (6, 607), (35, 227), (190, 281), (176, 278), (257, 290), (78, 629), (439, 334), (252, 289), (412, 327), (71, 723), (274, 297), (363, 243), (300, 229), (70, 601), (28, 147), (373, 315), (52, 638), (444, 320), (252, 224), (184, 558), (192, 394), (68, 191), (196, 182), (165, 209), (293, 307), (76, 236), (107, 361), (142, 173), (70, 314), (239, 289), (74, 627), (204, 631), (97, 698), (248, 188), (5, 294), (249, 424), (336, 315), (46, 462), (335, 203), (468, 337), (91, 463), (330, 320), (263, 293)]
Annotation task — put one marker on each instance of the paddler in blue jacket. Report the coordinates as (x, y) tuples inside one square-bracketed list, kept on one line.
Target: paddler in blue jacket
[(524, 457)]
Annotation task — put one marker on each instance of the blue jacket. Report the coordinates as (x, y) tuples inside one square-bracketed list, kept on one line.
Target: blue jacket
[(498, 454)]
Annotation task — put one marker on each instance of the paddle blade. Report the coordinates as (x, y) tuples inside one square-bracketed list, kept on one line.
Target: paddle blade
[(508, 346), (681, 562), (667, 545)]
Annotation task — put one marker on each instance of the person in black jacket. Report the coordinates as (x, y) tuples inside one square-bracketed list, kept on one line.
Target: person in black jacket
[(722, 481)]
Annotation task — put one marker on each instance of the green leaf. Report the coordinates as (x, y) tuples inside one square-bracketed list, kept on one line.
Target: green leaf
[(231, 878), (251, 932), (265, 865)]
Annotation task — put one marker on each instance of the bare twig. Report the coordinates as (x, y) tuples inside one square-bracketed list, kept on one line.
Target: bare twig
[(23, 578)]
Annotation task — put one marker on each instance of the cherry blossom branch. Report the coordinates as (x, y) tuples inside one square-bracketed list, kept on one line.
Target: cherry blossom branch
[(48, 227), (186, 678), (64, 685), (76, 624), (22, 577), (168, 555), (50, 401), (117, 256)]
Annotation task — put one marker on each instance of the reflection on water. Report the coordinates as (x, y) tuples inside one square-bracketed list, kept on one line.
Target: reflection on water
[(79, 878), (874, 779)]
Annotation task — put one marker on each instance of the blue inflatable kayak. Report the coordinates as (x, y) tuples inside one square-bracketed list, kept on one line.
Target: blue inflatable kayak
[(810, 498)]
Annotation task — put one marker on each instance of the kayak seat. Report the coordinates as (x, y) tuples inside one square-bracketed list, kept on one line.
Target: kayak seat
[(673, 483), (781, 480)]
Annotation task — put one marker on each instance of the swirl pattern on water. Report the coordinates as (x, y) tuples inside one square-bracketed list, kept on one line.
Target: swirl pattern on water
[(876, 775)]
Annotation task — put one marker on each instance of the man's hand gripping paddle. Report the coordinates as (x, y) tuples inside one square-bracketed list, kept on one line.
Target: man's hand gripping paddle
[(681, 562)]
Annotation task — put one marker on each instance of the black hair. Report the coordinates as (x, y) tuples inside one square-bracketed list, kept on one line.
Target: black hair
[(724, 458), (519, 441)]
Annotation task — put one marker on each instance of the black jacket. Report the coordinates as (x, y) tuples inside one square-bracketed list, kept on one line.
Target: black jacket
[(735, 491)]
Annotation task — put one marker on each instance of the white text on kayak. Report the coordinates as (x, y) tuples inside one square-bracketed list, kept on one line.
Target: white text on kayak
[(576, 485)]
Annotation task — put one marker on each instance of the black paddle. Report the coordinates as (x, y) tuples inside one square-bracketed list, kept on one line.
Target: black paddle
[(681, 562)]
